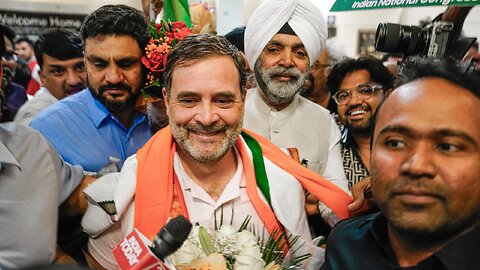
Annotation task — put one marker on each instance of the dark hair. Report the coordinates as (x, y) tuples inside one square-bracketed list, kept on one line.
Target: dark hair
[(116, 20), (196, 47), (7, 32), (25, 39), (236, 37), (420, 67), (378, 72), (60, 44), (450, 69)]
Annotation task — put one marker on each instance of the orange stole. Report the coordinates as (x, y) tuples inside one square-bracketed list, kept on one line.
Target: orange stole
[(154, 192)]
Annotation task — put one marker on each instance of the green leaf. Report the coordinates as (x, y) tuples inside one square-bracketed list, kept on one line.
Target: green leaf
[(245, 223), (153, 31), (205, 241), (165, 25)]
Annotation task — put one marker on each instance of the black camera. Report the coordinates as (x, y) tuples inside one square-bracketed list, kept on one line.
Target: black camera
[(436, 39)]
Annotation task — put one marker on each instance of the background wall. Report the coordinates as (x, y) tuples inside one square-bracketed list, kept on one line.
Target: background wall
[(63, 6), (234, 13)]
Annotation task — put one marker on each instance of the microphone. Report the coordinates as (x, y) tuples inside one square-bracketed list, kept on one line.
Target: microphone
[(171, 237), (134, 252)]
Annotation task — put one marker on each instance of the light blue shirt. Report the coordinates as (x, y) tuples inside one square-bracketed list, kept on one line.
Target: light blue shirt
[(85, 133)]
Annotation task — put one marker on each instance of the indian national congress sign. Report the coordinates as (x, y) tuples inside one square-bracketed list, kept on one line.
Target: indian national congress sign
[(345, 5)]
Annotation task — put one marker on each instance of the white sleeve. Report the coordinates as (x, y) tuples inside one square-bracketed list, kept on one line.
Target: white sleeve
[(334, 167)]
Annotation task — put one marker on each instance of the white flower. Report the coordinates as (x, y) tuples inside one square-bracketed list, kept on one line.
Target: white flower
[(226, 235), (187, 252), (250, 258), (246, 239), (227, 230)]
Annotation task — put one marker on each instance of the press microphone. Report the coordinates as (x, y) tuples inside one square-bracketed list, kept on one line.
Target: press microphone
[(134, 252), (171, 237)]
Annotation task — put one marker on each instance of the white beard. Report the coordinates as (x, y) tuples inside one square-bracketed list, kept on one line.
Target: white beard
[(279, 92)]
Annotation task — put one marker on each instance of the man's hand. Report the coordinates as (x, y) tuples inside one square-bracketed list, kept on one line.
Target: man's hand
[(311, 204), (361, 197), (157, 6), (77, 204)]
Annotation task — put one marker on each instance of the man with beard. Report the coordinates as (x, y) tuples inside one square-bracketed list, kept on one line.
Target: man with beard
[(425, 169), (59, 54), (204, 165), (283, 38), (100, 124), (358, 86)]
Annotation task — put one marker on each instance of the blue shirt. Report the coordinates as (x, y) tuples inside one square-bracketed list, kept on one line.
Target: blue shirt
[(85, 133)]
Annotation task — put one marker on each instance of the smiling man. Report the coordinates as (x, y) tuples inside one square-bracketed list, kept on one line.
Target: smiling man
[(358, 86), (425, 168), (202, 165), (59, 54), (283, 38)]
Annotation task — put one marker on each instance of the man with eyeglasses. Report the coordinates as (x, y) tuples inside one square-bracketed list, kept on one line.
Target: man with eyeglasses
[(15, 94), (358, 86)]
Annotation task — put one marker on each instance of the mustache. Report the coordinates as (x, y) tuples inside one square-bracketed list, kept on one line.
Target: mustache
[(419, 183), (117, 86), (283, 71), (206, 129)]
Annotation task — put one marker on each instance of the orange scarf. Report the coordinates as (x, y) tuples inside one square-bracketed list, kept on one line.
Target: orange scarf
[(155, 195)]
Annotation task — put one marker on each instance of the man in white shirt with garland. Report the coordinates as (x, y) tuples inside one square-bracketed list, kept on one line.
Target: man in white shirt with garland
[(205, 164)]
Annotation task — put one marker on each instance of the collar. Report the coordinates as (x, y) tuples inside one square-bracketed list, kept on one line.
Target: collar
[(231, 191), (43, 92), (98, 111), (461, 253), (265, 109), (347, 138), (6, 157)]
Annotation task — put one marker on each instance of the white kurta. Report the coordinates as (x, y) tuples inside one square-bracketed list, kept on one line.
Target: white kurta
[(304, 125)]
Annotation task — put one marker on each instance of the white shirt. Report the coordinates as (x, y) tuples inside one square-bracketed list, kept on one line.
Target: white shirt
[(41, 100), (304, 125), (233, 201)]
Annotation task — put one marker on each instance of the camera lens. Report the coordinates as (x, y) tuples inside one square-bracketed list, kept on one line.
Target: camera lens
[(396, 38)]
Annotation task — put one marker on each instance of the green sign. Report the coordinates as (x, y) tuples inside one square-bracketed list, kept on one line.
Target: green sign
[(346, 5)]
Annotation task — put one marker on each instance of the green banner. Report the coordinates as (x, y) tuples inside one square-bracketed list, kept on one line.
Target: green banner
[(177, 10), (347, 5)]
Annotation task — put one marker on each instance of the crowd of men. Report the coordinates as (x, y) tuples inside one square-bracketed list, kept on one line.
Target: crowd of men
[(317, 137)]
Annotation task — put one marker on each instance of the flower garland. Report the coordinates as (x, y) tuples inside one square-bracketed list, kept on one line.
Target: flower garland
[(164, 36)]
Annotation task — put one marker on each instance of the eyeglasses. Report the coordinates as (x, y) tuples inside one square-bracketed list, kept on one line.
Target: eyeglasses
[(363, 91)]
